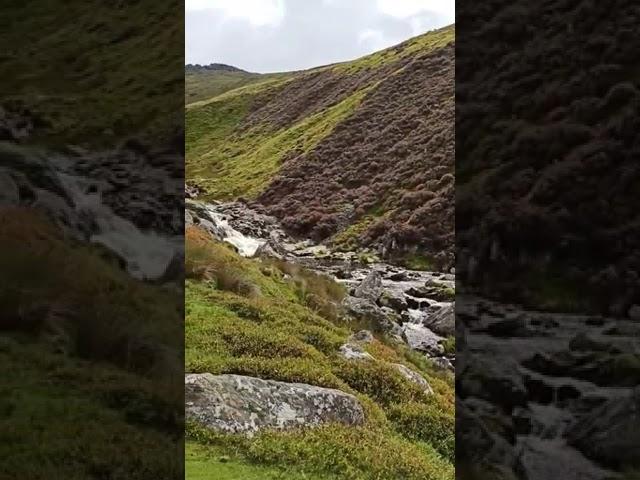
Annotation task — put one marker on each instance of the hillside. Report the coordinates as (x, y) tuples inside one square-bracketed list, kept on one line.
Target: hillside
[(99, 78), (206, 81), (549, 182), (356, 154), (272, 320)]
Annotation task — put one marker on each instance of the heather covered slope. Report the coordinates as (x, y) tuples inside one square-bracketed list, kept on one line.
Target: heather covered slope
[(357, 154), (550, 181)]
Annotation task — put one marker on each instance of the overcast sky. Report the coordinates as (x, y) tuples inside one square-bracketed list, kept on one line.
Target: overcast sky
[(283, 35)]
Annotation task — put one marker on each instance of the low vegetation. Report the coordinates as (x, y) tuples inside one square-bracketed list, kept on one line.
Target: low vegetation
[(273, 320), (83, 381)]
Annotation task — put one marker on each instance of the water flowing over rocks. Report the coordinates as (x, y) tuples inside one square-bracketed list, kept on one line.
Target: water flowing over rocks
[(105, 198), (564, 406), (412, 306), (239, 404)]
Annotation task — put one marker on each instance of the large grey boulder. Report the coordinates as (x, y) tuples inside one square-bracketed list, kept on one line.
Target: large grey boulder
[(370, 288), (240, 404), (443, 322), (610, 433), (420, 338)]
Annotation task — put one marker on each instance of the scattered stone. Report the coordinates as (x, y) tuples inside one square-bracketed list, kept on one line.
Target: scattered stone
[(240, 404), (363, 336), (414, 377), (353, 351)]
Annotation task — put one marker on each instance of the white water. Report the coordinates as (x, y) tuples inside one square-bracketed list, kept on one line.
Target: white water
[(247, 246), (147, 254)]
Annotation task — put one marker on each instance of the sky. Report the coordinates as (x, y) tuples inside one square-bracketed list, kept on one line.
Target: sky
[(284, 35)]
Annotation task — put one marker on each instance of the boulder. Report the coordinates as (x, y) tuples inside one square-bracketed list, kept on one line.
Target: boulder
[(443, 322), (414, 377), (240, 404), (370, 288), (610, 433), (365, 310), (420, 338), (394, 300)]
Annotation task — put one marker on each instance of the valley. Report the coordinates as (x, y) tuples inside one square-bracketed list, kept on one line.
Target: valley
[(319, 269)]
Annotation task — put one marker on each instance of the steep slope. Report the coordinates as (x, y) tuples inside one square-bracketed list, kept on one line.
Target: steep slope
[(357, 154), (275, 320), (88, 73), (550, 182)]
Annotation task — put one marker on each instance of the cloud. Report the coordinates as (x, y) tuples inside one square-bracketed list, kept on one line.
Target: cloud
[(283, 35)]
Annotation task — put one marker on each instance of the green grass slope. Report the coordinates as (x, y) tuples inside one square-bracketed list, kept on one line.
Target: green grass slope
[(204, 84), (277, 321)]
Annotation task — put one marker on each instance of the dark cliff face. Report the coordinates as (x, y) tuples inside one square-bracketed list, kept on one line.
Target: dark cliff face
[(547, 168)]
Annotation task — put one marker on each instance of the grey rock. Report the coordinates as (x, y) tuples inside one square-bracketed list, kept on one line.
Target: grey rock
[(414, 377), (353, 351), (443, 322), (370, 288), (240, 404), (634, 313), (420, 338), (610, 433)]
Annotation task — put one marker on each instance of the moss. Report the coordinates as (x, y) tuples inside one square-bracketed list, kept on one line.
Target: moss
[(449, 345), (417, 261), (426, 423)]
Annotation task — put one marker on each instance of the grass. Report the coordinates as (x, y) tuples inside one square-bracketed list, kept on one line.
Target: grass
[(205, 84), (101, 77), (279, 330), (422, 44), (79, 399), (202, 462), (417, 261), (228, 163)]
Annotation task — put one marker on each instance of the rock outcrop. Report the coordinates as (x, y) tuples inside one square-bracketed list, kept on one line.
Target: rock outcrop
[(240, 404)]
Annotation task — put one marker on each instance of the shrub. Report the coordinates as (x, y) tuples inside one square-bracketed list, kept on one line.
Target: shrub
[(427, 423)]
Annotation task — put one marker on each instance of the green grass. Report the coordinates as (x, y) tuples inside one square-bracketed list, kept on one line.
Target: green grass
[(422, 44), (106, 75), (417, 261), (228, 163), (281, 329), (211, 463), (208, 84)]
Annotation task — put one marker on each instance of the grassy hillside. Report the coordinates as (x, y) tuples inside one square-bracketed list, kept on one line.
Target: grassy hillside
[(277, 321), (358, 152), (94, 72), (90, 362), (202, 84)]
